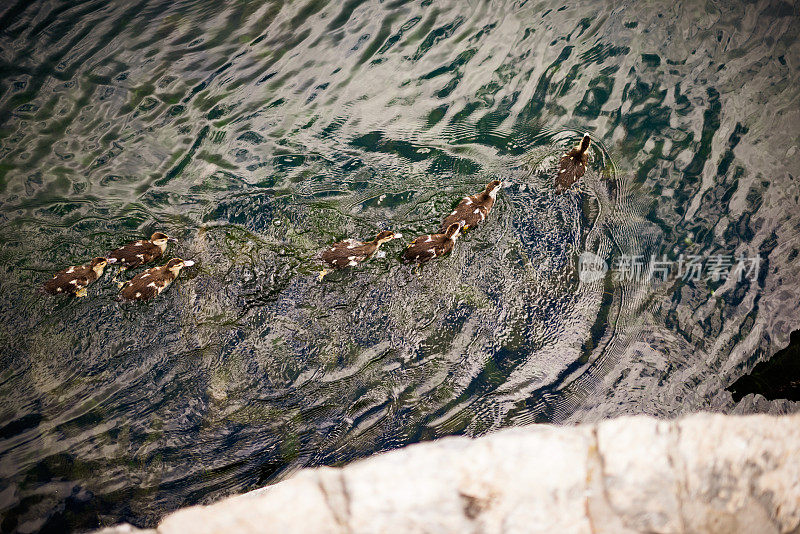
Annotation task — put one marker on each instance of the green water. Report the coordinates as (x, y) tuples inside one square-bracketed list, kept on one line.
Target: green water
[(257, 133)]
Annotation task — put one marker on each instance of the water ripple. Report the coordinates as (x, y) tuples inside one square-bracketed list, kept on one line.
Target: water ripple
[(258, 133)]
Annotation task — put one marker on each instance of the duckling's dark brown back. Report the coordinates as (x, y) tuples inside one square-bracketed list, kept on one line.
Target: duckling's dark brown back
[(148, 284), (71, 279), (135, 254), (347, 253), (471, 210), (427, 247), (67, 280), (572, 166)]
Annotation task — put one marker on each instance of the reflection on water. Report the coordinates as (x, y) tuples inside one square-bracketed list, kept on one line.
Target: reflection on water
[(257, 133)]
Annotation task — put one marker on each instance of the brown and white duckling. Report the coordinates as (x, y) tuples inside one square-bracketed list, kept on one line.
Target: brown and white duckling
[(427, 247), (153, 281), (473, 210), (350, 252), (75, 279), (572, 166), (140, 252)]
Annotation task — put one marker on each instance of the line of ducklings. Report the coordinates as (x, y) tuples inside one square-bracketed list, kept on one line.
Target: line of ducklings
[(144, 286), (471, 211)]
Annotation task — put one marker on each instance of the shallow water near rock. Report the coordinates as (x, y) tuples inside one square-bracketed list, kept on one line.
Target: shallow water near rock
[(259, 133)]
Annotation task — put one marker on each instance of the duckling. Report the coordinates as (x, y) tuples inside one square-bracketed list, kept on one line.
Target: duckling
[(427, 247), (140, 252), (473, 210), (153, 281), (350, 252), (75, 279), (572, 166)]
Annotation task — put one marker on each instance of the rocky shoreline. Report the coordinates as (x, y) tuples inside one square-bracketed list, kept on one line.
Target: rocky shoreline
[(705, 473)]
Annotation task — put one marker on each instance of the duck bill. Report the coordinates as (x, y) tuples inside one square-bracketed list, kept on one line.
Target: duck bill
[(111, 261), (172, 239), (188, 263), (398, 235)]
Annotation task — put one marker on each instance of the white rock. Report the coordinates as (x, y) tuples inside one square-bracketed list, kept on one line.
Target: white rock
[(703, 474), (124, 528), (300, 503)]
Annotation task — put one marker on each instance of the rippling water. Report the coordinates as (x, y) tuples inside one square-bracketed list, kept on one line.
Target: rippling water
[(259, 132)]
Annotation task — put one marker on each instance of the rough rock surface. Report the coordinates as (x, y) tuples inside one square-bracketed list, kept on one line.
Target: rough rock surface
[(702, 474)]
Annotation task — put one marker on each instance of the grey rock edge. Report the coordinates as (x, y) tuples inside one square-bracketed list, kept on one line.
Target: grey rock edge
[(701, 474)]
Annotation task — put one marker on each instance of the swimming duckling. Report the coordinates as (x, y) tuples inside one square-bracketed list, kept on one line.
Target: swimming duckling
[(140, 252), (427, 247), (350, 252), (572, 166), (153, 281), (75, 279), (473, 210)]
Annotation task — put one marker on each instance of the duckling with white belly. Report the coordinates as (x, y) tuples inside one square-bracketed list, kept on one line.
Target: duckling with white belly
[(153, 281), (139, 252), (473, 210), (572, 166), (427, 247), (350, 252), (75, 279)]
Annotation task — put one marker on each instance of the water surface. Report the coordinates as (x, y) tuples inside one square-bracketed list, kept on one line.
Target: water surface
[(259, 132)]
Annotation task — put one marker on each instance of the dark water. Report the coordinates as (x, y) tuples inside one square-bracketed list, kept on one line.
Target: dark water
[(257, 133), (776, 378)]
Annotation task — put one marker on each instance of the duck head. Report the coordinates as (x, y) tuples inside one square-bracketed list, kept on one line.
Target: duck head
[(160, 240), (386, 236), (176, 264), (585, 143), (453, 231), (97, 265), (493, 187)]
